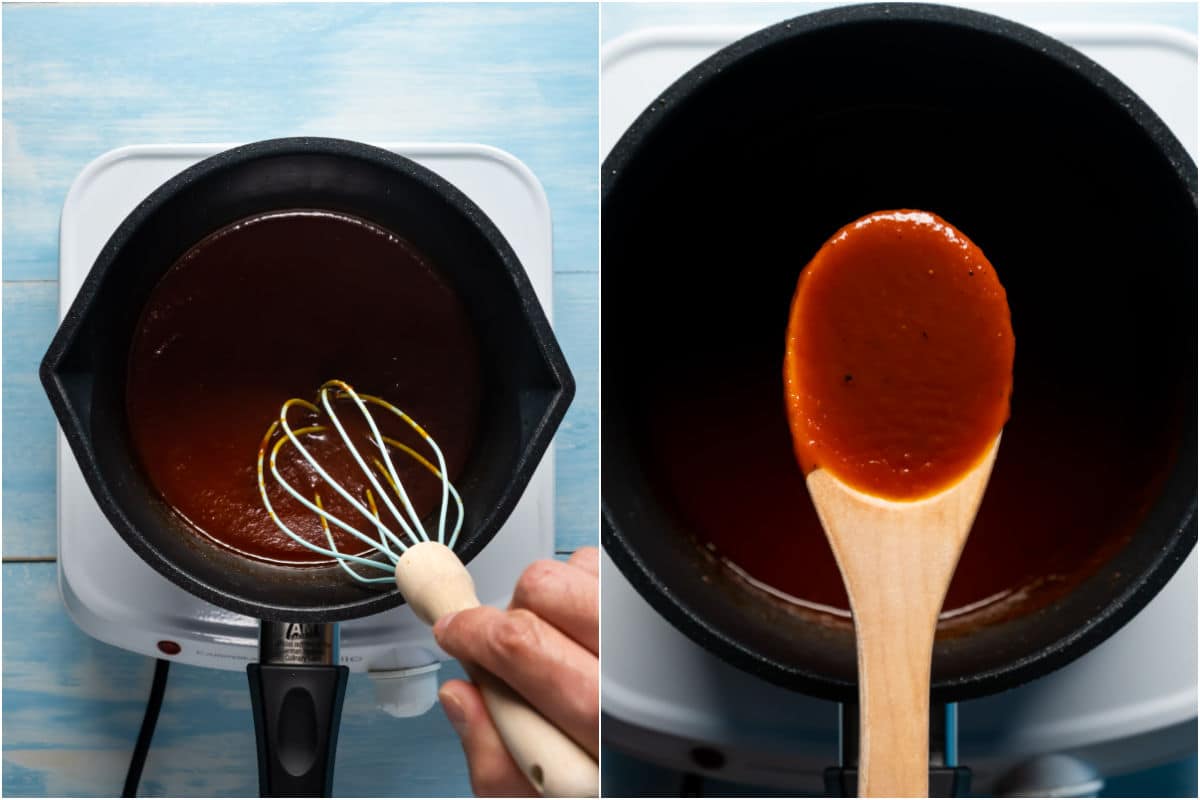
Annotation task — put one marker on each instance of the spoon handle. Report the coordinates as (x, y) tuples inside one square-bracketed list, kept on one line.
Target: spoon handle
[(896, 560), (895, 626)]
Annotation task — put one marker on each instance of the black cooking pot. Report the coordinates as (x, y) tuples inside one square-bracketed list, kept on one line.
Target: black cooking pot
[(720, 192), (526, 383)]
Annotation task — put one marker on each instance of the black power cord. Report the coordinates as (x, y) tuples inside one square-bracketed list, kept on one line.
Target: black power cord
[(138, 759)]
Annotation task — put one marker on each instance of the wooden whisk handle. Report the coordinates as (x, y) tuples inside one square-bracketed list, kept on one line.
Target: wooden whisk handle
[(434, 582)]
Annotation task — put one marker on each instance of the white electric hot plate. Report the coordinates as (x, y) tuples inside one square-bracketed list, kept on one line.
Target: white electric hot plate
[(1127, 705), (116, 597)]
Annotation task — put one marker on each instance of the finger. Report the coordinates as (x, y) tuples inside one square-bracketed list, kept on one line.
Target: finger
[(587, 559), (555, 674), (566, 597), (493, 772)]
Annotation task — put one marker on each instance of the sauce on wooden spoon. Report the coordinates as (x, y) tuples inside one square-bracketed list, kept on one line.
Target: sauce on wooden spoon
[(899, 356)]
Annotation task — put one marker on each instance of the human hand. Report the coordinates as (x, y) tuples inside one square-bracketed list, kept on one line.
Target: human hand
[(545, 647)]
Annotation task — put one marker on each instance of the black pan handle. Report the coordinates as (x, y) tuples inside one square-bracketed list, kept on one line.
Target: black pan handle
[(297, 712)]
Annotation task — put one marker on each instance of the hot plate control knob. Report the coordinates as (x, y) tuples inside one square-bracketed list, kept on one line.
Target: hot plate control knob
[(406, 692)]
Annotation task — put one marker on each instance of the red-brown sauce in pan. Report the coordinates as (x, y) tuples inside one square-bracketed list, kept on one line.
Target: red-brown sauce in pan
[(1079, 463), (270, 308)]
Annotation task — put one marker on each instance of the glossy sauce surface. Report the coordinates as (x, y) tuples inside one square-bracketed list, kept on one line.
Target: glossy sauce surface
[(898, 367), (268, 309), (1082, 458), (1060, 500)]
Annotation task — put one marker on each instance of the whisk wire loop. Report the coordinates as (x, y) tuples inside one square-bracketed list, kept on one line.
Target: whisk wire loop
[(271, 509), (389, 544), (377, 440), (325, 515), (450, 490), (440, 471), (342, 561), (293, 438)]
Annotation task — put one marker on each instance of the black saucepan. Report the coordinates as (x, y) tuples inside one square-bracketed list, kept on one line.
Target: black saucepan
[(721, 190), (527, 385)]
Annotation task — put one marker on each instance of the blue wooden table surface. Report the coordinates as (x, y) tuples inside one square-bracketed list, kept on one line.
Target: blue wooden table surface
[(80, 80)]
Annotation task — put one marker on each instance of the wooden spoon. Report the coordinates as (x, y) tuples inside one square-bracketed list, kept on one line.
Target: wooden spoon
[(896, 559), (898, 373)]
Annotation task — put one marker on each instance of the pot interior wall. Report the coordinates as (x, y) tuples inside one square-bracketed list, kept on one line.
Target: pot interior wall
[(721, 195)]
